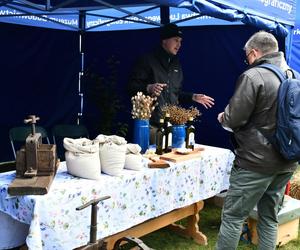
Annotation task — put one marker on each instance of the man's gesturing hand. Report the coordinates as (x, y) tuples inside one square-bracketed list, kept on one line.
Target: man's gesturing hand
[(156, 88), (205, 100)]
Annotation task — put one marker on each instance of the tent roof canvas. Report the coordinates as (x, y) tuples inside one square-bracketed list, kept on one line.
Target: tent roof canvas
[(74, 14)]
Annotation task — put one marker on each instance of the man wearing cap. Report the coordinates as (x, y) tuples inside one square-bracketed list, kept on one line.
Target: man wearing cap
[(159, 74)]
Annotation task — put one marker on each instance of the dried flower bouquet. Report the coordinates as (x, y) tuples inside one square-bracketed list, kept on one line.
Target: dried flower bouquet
[(142, 106), (180, 115)]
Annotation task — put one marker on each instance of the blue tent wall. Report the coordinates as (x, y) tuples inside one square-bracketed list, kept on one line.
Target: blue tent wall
[(39, 75), (43, 80)]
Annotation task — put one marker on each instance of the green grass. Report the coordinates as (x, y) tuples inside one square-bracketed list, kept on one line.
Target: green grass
[(210, 219)]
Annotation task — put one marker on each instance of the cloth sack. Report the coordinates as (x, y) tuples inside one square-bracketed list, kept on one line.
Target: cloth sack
[(112, 151), (133, 159), (82, 158)]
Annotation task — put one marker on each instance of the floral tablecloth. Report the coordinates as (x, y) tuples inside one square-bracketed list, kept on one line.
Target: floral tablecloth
[(136, 196)]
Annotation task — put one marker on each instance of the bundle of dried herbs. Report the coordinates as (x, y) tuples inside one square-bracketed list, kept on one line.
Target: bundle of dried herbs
[(142, 106), (180, 115)]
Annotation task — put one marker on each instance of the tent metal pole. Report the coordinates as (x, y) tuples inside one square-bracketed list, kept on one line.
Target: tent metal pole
[(288, 45), (125, 11), (114, 19), (48, 4), (81, 52), (164, 14)]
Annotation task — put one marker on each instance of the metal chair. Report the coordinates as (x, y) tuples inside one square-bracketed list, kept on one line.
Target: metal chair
[(19, 135), (60, 131)]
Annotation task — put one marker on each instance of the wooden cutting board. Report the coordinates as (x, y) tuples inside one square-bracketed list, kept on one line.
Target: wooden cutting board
[(159, 164), (176, 157)]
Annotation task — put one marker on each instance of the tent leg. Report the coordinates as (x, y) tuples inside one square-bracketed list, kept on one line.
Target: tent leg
[(164, 14)]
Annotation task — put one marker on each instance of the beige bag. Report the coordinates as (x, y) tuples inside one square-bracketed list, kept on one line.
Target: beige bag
[(134, 159), (112, 150), (82, 158)]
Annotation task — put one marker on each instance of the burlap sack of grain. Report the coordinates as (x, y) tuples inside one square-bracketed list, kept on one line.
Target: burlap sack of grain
[(112, 150), (82, 158)]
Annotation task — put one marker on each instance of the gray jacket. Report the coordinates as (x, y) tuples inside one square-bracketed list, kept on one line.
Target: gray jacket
[(253, 106)]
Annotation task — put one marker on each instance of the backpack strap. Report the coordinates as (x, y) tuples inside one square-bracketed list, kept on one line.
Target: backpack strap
[(276, 70), (295, 74), (282, 76)]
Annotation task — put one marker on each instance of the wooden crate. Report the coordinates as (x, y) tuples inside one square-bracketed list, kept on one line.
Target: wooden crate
[(46, 160), (288, 222), (286, 232)]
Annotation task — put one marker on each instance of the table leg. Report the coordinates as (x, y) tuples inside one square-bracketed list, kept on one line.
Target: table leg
[(192, 228)]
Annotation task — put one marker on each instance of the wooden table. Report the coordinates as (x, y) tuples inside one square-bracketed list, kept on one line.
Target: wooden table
[(141, 202)]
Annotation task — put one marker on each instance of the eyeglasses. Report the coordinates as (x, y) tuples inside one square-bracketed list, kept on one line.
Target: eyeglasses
[(246, 61)]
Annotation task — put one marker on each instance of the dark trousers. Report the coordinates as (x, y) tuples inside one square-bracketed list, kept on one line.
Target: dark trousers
[(247, 189)]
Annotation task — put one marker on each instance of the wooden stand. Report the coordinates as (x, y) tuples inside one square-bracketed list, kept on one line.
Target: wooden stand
[(288, 222), (191, 231), (286, 232), (37, 185)]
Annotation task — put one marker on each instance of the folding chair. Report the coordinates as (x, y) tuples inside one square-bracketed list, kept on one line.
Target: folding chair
[(60, 131), (19, 135)]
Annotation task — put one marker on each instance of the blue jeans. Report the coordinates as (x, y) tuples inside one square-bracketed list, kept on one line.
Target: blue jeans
[(247, 189)]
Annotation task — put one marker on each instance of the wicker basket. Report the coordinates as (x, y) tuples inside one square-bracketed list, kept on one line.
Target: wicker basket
[(295, 190)]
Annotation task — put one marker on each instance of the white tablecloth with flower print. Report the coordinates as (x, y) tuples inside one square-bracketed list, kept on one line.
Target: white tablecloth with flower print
[(136, 196)]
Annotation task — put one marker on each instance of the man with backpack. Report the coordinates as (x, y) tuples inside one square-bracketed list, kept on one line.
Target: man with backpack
[(260, 172)]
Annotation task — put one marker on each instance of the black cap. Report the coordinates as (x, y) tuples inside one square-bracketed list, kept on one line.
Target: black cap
[(170, 30)]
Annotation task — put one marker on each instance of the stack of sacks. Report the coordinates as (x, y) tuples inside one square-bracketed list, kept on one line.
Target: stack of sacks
[(107, 154)]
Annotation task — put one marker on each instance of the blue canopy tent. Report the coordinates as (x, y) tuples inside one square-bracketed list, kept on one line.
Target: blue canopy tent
[(295, 48), (40, 66), (84, 14)]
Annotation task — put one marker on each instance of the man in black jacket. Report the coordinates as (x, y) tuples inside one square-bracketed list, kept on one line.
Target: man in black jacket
[(159, 74), (260, 174)]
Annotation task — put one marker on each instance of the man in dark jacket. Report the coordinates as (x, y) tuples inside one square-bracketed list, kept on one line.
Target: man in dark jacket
[(260, 174), (159, 74)]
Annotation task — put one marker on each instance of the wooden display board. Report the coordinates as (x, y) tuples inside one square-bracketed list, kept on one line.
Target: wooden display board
[(177, 157)]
